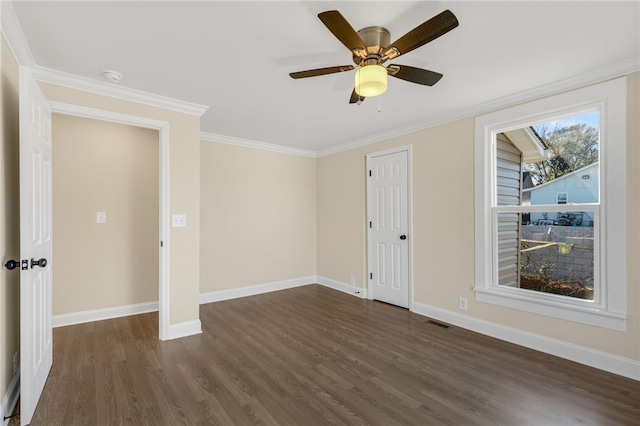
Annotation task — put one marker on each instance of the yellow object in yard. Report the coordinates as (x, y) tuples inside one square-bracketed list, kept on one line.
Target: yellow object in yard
[(542, 244), (564, 248)]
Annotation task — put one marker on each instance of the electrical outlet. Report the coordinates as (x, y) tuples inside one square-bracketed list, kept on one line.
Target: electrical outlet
[(15, 363), (353, 281), (462, 303)]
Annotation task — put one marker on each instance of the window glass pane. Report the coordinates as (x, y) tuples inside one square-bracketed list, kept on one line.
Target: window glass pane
[(555, 254), (570, 174), (562, 197)]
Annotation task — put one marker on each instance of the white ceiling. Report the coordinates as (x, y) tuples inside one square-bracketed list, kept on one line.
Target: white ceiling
[(235, 57)]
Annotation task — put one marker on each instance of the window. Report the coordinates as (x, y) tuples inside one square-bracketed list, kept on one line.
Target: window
[(542, 229), (561, 198)]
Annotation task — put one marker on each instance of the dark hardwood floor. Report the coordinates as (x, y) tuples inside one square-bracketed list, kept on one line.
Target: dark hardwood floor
[(315, 356)]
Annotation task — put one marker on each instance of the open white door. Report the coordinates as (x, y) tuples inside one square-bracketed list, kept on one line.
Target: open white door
[(36, 348), (388, 214)]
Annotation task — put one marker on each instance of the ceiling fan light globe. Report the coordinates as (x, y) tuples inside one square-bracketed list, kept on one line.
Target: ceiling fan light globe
[(371, 80)]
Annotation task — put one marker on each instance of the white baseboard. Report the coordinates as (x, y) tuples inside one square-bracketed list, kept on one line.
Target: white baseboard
[(340, 286), (11, 398), (593, 358), (103, 314), (184, 329), (234, 293)]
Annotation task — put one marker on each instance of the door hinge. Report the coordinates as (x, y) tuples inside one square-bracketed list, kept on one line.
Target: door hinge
[(369, 173), (161, 243), (370, 224), (370, 275)]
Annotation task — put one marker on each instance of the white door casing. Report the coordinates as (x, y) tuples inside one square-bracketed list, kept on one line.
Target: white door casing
[(36, 347), (164, 245), (388, 211)]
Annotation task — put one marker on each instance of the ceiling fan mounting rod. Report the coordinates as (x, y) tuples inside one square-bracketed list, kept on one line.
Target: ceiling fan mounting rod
[(370, 60)]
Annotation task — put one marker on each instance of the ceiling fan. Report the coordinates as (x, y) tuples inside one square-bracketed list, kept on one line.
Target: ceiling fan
[(371, 48)]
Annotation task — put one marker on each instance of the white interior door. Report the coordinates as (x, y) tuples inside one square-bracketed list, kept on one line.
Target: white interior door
[(388, 207), (35, 244)]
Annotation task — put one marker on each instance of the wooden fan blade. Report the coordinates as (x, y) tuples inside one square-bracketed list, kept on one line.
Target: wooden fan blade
[(422, 34), (343, 31), (414, 75), (321, 71), (355, 98)]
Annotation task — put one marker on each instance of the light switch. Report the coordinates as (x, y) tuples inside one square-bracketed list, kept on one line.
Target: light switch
[(179, 220), (101, 217)]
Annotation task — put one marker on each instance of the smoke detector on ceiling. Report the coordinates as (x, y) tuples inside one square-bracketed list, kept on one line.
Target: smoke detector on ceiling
[(112, 76)]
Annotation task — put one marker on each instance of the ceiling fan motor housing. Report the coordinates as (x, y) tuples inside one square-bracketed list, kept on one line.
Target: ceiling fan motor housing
[(376, 39)]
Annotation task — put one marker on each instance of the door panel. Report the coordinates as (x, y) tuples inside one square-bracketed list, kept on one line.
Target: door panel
[(35, 244), (389, 222)]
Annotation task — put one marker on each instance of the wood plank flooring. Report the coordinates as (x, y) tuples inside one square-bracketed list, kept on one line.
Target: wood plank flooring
[(315, 356)]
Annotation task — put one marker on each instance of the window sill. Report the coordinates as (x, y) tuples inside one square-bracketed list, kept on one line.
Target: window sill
[(591, 315)]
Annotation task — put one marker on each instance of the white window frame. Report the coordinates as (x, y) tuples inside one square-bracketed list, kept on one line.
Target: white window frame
[(609, 307), (566, 198)]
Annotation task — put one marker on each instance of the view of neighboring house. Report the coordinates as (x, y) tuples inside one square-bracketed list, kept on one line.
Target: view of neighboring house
[(577, 187)]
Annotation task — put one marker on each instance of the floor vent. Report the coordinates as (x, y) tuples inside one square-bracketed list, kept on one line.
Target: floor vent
[(439, 324)]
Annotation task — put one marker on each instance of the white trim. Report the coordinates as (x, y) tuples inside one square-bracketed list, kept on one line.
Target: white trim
[(610, 99), (85, 84), (340, 286), (543, 304), (184, 329), (14, 37), (164, 185), (164, 253), (64, 320), (104, 115), (230, 140), (20, 49), (604, 361), (535, 140), (253, 290), (10, 398), (17, 43), (609, 72), (408, 149), (235, 293)]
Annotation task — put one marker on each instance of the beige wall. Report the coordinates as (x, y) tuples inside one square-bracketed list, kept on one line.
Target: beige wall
[(258, 211), (443, 261), (9, 218), (111, 168), (184, 172)]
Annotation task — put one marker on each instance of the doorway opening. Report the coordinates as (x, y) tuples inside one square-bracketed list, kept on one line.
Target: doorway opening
[(163, 196)]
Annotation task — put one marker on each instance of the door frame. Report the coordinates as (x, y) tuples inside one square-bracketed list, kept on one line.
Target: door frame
[(163, 244), (369, 157)]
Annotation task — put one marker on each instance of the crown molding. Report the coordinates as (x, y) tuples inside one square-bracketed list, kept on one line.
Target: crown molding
[(230, 140), (609, 72), (85, 84), (13, 35), (17, 43)]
